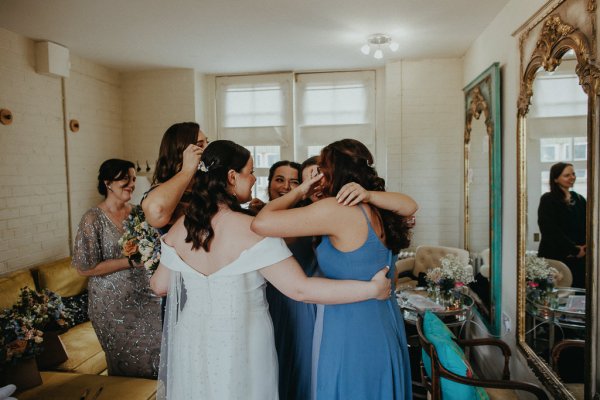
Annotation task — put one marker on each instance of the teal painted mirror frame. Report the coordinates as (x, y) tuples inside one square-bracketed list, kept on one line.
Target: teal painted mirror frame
[(482, 100)]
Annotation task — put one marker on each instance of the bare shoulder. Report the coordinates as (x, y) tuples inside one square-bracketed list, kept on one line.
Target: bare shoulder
[(236, 226), (330, 206), (177, 233)]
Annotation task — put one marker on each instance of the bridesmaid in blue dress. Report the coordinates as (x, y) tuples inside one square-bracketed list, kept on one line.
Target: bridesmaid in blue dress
[(363, 353), (293, 321)]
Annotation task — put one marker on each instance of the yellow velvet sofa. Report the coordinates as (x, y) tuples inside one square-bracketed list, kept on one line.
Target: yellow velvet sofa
[(85, 356), (85, 368)]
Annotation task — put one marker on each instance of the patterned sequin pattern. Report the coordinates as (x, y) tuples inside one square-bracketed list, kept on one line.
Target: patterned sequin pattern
[(125, 314)]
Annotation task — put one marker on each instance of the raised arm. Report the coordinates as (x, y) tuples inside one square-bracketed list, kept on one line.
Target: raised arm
[(352, 193), (287, 276), (161, 202), (277, 218)]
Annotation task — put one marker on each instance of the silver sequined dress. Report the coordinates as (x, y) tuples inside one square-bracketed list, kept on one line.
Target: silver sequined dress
[(124, 313)]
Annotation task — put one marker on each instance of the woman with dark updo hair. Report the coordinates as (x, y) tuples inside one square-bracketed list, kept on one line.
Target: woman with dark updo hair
[(562, 221), (124, 312), (363, 352), (218, 341)]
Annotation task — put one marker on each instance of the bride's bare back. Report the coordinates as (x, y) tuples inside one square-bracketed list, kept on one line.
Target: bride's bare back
[(232, 236)]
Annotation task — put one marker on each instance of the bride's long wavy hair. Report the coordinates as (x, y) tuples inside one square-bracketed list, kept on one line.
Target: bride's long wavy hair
[(349, 160), (210, 190)]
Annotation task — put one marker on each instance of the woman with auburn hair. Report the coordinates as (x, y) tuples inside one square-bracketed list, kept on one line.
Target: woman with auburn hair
[(363, 352), (218, 341)]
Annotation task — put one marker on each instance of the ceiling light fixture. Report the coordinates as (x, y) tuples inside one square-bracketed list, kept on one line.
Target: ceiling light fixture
[(377, 42)]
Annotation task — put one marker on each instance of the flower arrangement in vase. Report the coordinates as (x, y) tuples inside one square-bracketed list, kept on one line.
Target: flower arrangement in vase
[(22, 327), (539, 274), (140, 241), (451, 275)]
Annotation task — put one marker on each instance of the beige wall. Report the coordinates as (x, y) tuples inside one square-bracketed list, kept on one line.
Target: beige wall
[(121, 115), (153, 101), (423, 129), (92, 94), (33, 184)]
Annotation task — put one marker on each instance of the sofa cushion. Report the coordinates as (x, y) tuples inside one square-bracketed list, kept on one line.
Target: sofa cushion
[(10, 287), (62, 385), (83, 348), (61, 278)]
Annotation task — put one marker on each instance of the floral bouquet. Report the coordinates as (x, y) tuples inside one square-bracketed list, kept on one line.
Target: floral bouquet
[(452, 272), (140, 242), (22, 326), (538, 273), (18, 337), (45, 310)]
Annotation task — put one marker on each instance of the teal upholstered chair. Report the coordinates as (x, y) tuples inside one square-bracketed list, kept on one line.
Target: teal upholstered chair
[(447, 374)]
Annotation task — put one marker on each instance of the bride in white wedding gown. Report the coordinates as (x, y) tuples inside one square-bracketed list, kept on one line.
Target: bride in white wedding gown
[(218, 342)]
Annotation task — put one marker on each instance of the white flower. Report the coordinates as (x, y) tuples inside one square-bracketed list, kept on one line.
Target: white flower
[(453, 268), (538, 268), (146, 248)]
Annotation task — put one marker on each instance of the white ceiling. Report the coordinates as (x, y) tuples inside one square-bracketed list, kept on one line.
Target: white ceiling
[(234, 36)]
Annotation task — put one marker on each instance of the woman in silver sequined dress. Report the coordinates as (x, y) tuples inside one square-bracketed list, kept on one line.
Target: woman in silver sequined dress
[(124, 312)]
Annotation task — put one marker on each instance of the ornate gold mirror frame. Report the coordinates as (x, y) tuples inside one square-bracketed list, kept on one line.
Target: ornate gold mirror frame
[(562, 25)]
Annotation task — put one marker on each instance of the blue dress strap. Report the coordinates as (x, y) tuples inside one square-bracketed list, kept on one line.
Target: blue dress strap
[(390, 256)]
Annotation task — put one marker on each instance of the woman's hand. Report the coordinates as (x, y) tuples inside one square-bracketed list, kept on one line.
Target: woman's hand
[(581, 253), (352, 193), (256, 205), (191, 158), (382, 284), (310, 186)]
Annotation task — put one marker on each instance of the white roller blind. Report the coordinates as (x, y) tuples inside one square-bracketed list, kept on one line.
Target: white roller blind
[(256, 110), (333, 106)]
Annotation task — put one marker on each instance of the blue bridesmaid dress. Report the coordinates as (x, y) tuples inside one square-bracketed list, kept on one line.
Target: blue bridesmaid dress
[(293, 324), (363, 353)]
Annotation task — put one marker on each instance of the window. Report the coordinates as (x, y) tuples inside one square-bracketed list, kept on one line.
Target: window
[(264, 157), (579, 149), (333, 106), (258, 112)]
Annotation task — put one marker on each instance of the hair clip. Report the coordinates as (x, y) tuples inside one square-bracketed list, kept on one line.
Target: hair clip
[(205, 168)]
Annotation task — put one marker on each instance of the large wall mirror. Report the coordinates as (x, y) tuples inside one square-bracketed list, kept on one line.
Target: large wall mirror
[(483, 192), (557, 211)]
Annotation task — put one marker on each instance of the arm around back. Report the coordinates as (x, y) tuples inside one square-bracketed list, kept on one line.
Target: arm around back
[(287, 276)]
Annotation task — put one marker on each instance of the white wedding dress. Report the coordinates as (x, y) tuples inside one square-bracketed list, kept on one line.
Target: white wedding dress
[(218, 342)]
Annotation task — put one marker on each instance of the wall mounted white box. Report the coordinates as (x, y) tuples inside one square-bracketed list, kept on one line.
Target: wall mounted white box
[(52, 59)]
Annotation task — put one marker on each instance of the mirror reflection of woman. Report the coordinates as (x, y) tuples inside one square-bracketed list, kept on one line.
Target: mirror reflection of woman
[(562, 220)]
